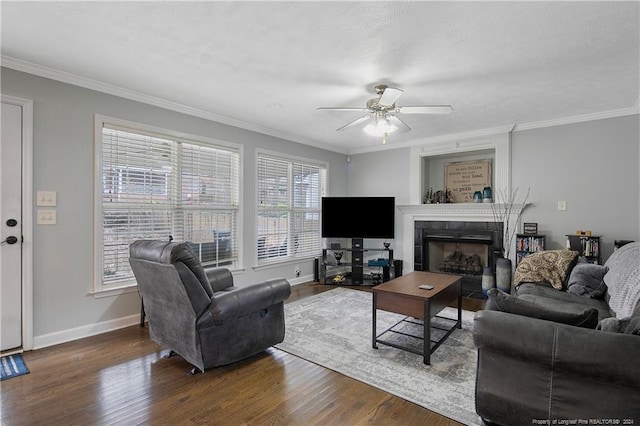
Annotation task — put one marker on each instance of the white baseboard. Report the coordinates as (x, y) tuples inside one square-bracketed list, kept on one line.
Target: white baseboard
[(300, 280), (71, 334)]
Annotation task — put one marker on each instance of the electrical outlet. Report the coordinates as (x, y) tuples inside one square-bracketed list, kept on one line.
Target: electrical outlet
[(297, 271), (562, 205)]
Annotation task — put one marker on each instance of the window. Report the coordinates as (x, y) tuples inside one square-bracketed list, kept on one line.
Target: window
[(289, 195), (155, 184)]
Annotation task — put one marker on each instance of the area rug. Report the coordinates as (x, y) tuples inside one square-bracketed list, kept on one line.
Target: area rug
[(12, 366), (333, 330)]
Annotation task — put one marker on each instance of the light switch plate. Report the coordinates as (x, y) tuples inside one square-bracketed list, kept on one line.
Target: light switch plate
[(562, 205), (46, 199), (46, 217)]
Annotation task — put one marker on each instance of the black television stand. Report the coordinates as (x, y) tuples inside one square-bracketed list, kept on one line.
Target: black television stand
[(356, 276), (357, 267)]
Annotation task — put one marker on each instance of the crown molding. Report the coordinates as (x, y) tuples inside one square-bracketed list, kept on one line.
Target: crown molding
[(87, 83), (622, 112)]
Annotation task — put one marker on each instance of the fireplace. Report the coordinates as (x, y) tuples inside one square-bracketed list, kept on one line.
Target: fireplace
[(457, 247), (456, 255)]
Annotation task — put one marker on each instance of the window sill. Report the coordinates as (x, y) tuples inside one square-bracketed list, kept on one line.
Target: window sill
[(129, 288), (283, 263)]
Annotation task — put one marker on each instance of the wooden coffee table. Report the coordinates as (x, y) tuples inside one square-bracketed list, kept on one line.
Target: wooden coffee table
[(402, 295)]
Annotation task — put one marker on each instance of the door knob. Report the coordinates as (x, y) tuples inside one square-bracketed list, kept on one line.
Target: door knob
[(11, 223), (10, 240)]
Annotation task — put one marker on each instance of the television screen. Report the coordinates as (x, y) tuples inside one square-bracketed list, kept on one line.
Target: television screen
[(358, 217)]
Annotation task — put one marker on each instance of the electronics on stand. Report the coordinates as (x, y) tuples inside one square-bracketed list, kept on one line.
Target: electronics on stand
[(347, 217)]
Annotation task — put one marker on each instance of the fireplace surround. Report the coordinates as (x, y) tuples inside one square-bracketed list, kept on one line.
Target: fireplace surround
[(458, 247), (478, 215)]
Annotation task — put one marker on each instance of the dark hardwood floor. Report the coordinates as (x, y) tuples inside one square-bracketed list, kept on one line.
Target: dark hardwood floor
[(121, 378)]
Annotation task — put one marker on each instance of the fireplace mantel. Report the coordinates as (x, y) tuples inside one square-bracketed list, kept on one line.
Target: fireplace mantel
[(457, 211)]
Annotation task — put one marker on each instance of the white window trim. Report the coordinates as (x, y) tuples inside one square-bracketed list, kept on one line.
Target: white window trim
[(276, 154), (99, 121)]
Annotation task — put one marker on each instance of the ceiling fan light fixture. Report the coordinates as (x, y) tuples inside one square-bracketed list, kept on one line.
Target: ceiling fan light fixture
[(380, 126), (382, 113)]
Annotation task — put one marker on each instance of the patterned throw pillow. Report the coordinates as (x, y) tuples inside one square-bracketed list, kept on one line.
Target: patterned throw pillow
[(550, 266)]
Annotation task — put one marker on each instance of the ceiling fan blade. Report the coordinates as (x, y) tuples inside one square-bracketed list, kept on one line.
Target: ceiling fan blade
[(426, 109), (390, 96), (354, 123), (344, 108), (399, 123)]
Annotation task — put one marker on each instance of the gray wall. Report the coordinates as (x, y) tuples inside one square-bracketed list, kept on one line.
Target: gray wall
[(63, 161), (384, 173), (592, 165)]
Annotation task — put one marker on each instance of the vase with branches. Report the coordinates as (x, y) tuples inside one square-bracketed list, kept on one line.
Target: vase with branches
[(506, 212), (502, 211)]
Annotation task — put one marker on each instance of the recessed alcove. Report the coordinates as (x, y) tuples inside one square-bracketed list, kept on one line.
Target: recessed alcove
[(428, 162), (432, 167)]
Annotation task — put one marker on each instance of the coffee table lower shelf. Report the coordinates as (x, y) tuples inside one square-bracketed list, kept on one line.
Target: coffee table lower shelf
[(433, 344)]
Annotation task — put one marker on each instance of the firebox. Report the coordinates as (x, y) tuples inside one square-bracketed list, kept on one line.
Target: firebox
[(461, 248)]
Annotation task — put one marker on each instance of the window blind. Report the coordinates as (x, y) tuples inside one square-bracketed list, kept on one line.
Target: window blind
[(161, 187), (289, 194)]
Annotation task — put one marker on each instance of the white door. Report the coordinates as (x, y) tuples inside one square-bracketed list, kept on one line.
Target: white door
[(11, 227)]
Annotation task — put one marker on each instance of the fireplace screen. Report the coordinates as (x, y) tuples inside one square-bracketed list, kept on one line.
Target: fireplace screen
[(457, 258)]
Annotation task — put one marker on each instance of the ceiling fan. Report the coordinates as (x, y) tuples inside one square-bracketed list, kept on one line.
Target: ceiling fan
[(382, 112)]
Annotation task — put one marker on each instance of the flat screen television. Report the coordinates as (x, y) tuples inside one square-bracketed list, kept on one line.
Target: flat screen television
[(358, 217)]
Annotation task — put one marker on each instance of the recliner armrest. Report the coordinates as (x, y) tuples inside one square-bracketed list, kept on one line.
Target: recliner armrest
[(597, 354), (219, 278), (228, 305)]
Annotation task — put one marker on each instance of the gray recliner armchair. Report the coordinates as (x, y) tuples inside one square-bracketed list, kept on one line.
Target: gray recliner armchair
[(199, 314)]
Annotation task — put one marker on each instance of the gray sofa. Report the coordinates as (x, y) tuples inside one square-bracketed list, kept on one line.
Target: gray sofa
[(551, 355), (199, 314)]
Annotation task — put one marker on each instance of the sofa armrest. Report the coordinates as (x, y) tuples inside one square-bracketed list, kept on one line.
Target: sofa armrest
[(596, 354), (226, 306)]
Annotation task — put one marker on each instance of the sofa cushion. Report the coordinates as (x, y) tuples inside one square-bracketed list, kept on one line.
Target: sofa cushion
[(527, 290), (566, 313), (587, 279), (563, 306), (552, 266)]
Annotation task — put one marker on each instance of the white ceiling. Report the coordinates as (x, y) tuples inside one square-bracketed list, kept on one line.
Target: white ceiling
[(267, 66)]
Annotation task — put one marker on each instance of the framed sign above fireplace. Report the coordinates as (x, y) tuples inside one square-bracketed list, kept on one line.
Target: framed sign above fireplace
[(463, 178)]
